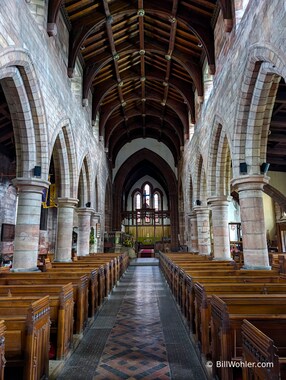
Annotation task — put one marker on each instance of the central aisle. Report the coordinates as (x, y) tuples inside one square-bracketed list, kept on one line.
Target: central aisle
[(138, 334)]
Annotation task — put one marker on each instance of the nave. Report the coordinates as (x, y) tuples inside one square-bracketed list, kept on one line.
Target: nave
[(138, 334)]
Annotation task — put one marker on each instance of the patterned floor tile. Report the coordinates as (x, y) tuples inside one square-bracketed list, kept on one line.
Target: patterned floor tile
[(144, 335)]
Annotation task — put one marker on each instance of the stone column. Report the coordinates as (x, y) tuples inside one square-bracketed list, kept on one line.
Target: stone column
[(84, 216), (66, 208), (255, 251), (93, 223), (26, 244), (221, 243), (203, 223), (194, 232)]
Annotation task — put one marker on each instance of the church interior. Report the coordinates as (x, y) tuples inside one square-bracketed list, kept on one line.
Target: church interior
[(142, 189)]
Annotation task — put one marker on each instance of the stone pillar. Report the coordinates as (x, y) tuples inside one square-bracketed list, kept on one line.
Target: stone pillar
[(64, 229), (26, 244), (221, 243), (194, 233), (84, 216), (93, 223), (255, 251), (203, 223)]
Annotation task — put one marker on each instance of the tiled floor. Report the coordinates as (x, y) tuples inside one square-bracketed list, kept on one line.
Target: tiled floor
[(138, 334)]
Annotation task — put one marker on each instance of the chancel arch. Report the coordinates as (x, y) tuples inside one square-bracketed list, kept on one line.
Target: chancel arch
[(146, 162)]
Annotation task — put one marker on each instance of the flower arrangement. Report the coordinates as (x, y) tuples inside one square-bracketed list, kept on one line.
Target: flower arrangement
[(127, 242)]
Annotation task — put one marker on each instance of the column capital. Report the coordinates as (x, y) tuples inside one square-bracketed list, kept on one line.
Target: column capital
[(201, 209), (67, 202), (30, 184), (84, 211), (219, 200), (250, 182), (95, 217)]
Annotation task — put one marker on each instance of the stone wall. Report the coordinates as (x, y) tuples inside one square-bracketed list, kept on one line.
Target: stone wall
[(23, 35), (8, 199)]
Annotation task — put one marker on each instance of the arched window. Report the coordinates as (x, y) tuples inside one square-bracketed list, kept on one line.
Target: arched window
[(137, 199), (157, 205), (146, 196), (137, 204)]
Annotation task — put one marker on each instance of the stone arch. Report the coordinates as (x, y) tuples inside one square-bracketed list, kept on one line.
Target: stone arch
[(65, 160), (25, 101), (85, 182), (181, 204), (191, 193), (95, 186), (108, 206), (200, 186), (258, 90), (171, 184), (95, 196), (219, 161)]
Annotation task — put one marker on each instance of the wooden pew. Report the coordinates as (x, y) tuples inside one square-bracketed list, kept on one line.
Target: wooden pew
[(61, 311), (97, 284), (88, 266), (227, 315), (203, 295), (121, 259), (92, 283), (268, 346), (190, 280), (80, 290), (103, 267), (179, 282), (27, 322), (2, 348)]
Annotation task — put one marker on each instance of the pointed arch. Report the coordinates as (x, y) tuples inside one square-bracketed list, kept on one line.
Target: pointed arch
[(85, 182), (219, 161), (65, 160), (261, 80), (200, 186), (22, 91)]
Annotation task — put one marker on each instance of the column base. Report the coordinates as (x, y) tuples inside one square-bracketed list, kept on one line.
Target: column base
[(256, 267), (63, 261), (222, 259), (34, 269)]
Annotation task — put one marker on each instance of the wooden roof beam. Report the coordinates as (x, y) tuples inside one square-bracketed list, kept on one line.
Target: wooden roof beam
[(227, 8), (53, 12), (184, 91), (174, 123)]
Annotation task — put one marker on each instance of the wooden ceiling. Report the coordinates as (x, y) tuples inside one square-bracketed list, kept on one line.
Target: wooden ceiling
[(142, 65)]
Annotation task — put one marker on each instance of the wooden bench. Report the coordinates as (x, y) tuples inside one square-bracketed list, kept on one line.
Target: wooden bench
[(203, 295), (92, 282), (179, 281), (268, 346), (227, 315), (189, 280), (27, 322), (2, 348), (61, 311), (112, 262), (80, 290), (89, 266), (121, 258)]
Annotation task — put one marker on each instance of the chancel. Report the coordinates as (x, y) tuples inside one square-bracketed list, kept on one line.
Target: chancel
[(142, 189)]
